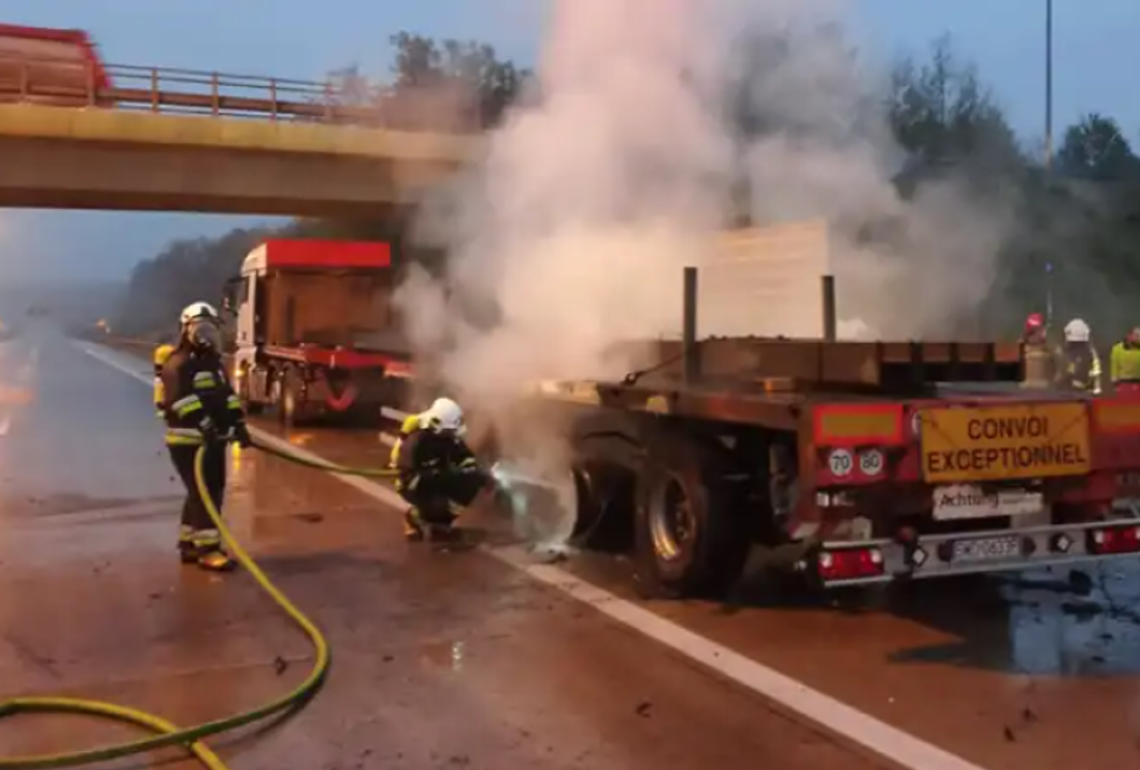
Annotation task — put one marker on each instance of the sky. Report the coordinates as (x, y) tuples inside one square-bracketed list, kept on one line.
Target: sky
[(1095, 55)]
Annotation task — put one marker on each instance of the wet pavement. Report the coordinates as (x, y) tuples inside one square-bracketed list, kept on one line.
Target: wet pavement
[(440, 660), (1040, 670)]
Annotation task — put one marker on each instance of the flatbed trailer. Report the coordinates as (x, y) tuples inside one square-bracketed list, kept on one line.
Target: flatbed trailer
[(850, 462)]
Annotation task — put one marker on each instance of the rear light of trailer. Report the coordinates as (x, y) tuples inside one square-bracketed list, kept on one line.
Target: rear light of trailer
[(850, 564), (1117, 539)]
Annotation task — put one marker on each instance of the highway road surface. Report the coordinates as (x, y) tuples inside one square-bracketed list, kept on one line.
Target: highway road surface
[(492, 657)]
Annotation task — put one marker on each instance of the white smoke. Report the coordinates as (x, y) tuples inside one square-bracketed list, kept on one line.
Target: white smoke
[(620, 170)]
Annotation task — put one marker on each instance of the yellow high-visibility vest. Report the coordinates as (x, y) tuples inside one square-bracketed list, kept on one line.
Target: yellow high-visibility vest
[(161, 354), (1125, 363)]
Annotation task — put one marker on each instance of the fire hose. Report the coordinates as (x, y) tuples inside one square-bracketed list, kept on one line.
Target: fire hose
[(166, 733)]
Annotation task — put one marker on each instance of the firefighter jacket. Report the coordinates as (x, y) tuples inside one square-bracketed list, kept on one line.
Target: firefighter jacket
[(1078, 368), (197, 397), (1124, 364), (425, 460), (161, 354), (1040, 366)]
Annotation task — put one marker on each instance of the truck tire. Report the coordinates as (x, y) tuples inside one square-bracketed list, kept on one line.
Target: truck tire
[(250, 406), (691, 530), (292, 410), (606, 469)]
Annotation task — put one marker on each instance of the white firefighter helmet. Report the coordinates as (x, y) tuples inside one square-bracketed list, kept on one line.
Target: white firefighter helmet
[(443, 415), (198, 310), (1077, 331)]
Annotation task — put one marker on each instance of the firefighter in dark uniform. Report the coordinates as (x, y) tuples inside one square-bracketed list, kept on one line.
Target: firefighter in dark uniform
[(1078, 365), (436, 470), (200, 408)]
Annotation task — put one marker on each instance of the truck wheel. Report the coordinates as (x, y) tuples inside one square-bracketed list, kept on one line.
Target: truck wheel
[(251, 407), (604, 503), (293, 412), (606, 467), (691, 531)]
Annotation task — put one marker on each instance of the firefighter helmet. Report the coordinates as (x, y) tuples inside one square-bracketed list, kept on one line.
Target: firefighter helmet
[(1077, 331)]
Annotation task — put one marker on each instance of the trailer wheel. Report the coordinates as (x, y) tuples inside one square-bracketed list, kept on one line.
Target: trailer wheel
[(691, 532)]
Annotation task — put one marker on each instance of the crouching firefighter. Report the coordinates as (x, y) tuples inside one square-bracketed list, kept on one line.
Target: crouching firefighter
[(200, 409), (436, 470)]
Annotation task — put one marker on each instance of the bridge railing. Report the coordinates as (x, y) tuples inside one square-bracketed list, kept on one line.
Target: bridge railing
[(76, 83)]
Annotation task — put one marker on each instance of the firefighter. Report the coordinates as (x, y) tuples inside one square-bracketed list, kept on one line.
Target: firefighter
[(200, 408), (1078, 366), (1124, 363), (437, 470), (1035, 332), (1039, 363)]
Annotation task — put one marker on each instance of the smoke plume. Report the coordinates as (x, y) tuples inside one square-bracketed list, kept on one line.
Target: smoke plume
[(625, 163)]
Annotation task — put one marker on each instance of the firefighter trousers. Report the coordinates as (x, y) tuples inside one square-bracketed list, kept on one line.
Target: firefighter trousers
[(194, 514), (433, 499)]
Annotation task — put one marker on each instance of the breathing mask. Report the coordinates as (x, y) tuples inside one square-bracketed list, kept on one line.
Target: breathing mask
[(204, 334)]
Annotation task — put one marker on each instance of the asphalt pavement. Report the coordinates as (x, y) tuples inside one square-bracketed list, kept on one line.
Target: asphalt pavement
[(490, 657)]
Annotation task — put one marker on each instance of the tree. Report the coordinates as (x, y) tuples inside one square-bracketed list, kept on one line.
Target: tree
[(1095, 148), (942, 115), (467, 73)]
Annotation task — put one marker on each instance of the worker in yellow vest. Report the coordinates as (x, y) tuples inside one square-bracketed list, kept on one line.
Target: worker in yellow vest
[(161, 354), (1125, 363)]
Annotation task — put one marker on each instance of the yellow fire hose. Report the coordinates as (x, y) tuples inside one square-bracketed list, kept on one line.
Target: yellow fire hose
[(167, 733)]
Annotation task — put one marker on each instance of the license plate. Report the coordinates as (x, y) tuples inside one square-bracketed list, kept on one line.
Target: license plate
[(987, 549)]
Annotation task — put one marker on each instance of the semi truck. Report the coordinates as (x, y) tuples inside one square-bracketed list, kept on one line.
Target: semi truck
[(849, 462), (315, 332), (60, 67)]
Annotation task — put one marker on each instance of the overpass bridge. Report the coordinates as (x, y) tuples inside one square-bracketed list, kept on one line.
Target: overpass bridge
[(155, 139)]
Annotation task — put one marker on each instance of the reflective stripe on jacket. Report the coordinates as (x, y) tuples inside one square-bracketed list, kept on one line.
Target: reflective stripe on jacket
[(196, 392)]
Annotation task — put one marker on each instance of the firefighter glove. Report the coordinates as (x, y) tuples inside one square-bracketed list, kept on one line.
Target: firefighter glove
[(208, 429), (241, 435)]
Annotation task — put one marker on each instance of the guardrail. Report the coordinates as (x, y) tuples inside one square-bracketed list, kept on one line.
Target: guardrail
[(78, 84)]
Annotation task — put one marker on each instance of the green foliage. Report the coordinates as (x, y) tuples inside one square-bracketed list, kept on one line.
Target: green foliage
[(1095, 149)]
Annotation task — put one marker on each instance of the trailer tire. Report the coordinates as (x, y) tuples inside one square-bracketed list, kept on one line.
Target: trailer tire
[(691, 532)]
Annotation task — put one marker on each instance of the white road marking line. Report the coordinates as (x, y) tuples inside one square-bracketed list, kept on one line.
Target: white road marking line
[(892, 743)]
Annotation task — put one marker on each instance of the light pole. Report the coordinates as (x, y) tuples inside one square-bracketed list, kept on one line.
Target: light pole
[(1048, 85), (1048, 145)]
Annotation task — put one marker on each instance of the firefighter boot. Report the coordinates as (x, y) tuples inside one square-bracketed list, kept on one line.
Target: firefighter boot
[(186, 548), (204, 548), (215, 560), (413, 526)]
